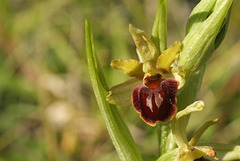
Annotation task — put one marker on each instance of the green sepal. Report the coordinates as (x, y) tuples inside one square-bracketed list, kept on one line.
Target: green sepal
[(166, 59), (121, 94), (147, 51), (131, 67), (117, 128)]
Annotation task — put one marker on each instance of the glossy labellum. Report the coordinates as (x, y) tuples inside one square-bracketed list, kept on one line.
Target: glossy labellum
[(156, 99)]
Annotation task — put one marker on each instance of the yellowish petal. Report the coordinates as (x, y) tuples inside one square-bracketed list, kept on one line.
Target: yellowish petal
[(131, 67), (165, 60)]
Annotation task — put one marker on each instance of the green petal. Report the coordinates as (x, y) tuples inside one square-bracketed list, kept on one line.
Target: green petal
[(165, 60), (122, 94), (131, 67), (146, 49)]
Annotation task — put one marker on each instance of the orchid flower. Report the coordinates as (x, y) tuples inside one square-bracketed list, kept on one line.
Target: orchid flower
[(156, 79)]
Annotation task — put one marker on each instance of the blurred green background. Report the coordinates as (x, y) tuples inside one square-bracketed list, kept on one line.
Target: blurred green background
[(47, 107)]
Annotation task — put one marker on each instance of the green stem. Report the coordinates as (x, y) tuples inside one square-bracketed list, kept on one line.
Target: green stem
[(163, 131), (159, 37), (188, 94)]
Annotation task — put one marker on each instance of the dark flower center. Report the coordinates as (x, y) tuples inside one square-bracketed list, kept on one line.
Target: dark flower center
[(156, 99), (153, 82)]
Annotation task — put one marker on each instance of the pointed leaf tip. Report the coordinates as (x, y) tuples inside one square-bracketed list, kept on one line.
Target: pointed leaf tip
[(118, 130)]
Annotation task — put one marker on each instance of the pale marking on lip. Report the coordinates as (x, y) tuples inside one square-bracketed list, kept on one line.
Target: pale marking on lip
[(158, 99), (149, 101)]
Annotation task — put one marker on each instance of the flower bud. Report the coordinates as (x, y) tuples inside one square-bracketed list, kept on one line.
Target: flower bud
[(206, 28)]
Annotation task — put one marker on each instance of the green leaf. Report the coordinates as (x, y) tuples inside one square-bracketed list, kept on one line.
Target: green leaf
[(221, 35), (159, 30), (131, 67), (199, 14), (118, 131)]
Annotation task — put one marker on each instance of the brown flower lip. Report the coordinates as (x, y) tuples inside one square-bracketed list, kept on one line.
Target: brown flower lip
[(156, 99)]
